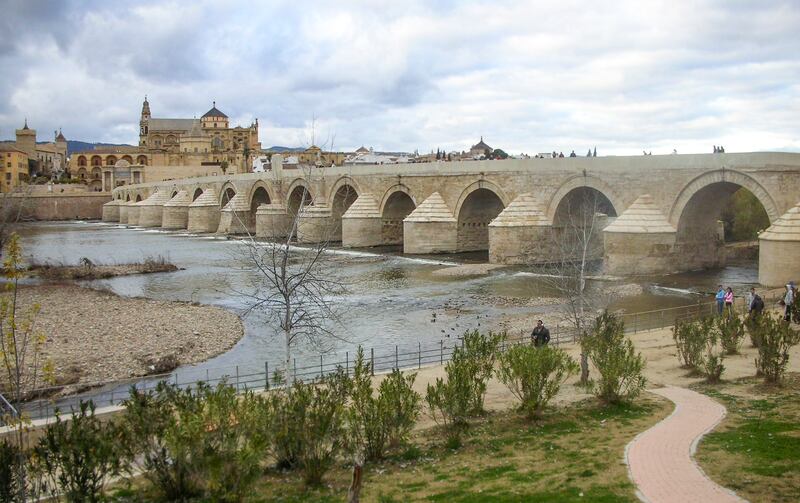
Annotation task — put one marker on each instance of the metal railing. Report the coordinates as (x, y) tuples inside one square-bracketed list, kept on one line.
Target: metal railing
[(381, 359)]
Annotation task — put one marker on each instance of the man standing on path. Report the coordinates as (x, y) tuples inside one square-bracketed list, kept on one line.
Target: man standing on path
[(720, 299), (788, 300), (540, 335)]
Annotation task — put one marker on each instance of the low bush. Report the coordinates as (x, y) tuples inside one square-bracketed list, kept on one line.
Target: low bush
[(620, 367), (77, 456), (534, 375), (775, 338), (712, 366), (731, 333), (690, 341), (450, 401), (480, 353), (13, 470), (205, 441), (377, 421), (321, 426)]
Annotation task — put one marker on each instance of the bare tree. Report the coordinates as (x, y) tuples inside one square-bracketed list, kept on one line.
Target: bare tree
[(13, 208), (296, 287), (576, 249)]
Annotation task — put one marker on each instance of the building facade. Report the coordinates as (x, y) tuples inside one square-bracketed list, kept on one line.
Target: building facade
[(170, 149), (47, 159), (13, 167)]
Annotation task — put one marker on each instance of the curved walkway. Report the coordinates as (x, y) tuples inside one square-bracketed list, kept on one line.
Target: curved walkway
[(660, 460)]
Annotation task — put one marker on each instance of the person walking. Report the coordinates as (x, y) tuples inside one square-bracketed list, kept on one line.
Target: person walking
[(720, 299), (788, 301), (755, 304), (540, 335), (729, 301)]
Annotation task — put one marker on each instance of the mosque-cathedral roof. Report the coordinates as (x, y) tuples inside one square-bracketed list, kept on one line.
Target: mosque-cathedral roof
[(214, 112)]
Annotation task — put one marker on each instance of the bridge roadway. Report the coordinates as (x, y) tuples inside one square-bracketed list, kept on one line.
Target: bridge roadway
[(659, 214)]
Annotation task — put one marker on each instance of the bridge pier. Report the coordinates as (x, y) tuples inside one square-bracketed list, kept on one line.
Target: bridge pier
[(134, 210), (640, 241), (176, 211), (362, 223), (430, 228), (151, 209), (123, 212), (315, 225), (235, 217), (520, 233), (203, 215), (779, 250), (111, 210), (271, 221)]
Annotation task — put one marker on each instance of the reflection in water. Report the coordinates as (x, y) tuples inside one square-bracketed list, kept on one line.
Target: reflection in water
[(391, 298)]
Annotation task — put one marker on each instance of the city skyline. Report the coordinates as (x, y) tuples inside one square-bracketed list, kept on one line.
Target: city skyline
[(528, 77)]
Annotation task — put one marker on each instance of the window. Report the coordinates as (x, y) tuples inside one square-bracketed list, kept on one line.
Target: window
[(8, 177)]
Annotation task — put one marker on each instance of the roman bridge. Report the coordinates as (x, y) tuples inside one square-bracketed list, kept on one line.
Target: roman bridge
[(660, 213)]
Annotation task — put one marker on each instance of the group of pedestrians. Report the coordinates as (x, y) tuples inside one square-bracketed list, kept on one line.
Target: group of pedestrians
[(755, 304)]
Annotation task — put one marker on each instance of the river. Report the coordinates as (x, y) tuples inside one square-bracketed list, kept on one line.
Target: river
[(391, 300)]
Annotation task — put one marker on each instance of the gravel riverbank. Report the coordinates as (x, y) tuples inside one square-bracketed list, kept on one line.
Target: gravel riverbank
[(96, 336)]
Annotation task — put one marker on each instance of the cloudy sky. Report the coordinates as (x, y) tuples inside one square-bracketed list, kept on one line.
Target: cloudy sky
[(402, 75)]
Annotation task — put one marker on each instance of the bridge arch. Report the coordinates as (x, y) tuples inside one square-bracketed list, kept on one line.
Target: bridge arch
[(227, 193), (343, 194), (479, 204), (197, 193), (697, 212), (259, 194), (579, 182), (396, 204), (298, 189), (138, 198), (723, 176)]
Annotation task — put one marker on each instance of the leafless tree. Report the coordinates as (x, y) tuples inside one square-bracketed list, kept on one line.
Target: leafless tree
[(13, 208), (296, 287), (576, 247)]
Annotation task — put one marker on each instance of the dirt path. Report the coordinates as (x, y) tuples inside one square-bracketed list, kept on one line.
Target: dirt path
[(661, 460)]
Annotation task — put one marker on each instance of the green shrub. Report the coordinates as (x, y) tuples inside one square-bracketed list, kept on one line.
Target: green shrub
[(77, 456), (690, 340), (164, 438), (534, 375), (321, 425), (205, 441), (731, 333), (402, 404), (377, 421), (620, 367), (286, 406), (775, 338), (12, 472), (712, 366), (450, 402), (480, 352)]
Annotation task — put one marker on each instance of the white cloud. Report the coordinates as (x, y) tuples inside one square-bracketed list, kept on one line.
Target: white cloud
[(528, 76)]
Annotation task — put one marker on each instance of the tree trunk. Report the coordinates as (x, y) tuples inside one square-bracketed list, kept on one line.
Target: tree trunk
[(584, 368), (355, 487), (287, 361)]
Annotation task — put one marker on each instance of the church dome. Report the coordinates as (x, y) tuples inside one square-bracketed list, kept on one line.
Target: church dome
[(214, 113)]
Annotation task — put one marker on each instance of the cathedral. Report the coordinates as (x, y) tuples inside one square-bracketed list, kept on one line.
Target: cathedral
[(171, 148)]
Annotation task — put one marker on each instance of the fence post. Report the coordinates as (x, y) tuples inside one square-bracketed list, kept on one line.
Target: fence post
[(112, 397), (237, 378), (347, 362), (266, 375), (320, 365), (295, 368), (372, 360), (419, 354), (441, 352), (396, 364), (206, 375)]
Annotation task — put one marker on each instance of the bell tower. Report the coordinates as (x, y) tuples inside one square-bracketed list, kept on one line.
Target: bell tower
[(143, 129)]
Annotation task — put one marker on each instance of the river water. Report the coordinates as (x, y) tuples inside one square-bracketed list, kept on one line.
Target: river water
[(393, 300)]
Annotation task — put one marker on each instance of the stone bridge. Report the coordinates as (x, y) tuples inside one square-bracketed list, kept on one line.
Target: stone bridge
[(661, 213)]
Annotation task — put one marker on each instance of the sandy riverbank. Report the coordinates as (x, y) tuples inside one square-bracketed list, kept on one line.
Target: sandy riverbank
[(95, 336)]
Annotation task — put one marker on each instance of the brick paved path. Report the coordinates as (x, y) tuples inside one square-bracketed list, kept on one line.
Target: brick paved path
[(660, 460)]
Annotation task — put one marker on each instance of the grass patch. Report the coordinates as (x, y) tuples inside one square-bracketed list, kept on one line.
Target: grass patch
[(756, 450), (573, 454)]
